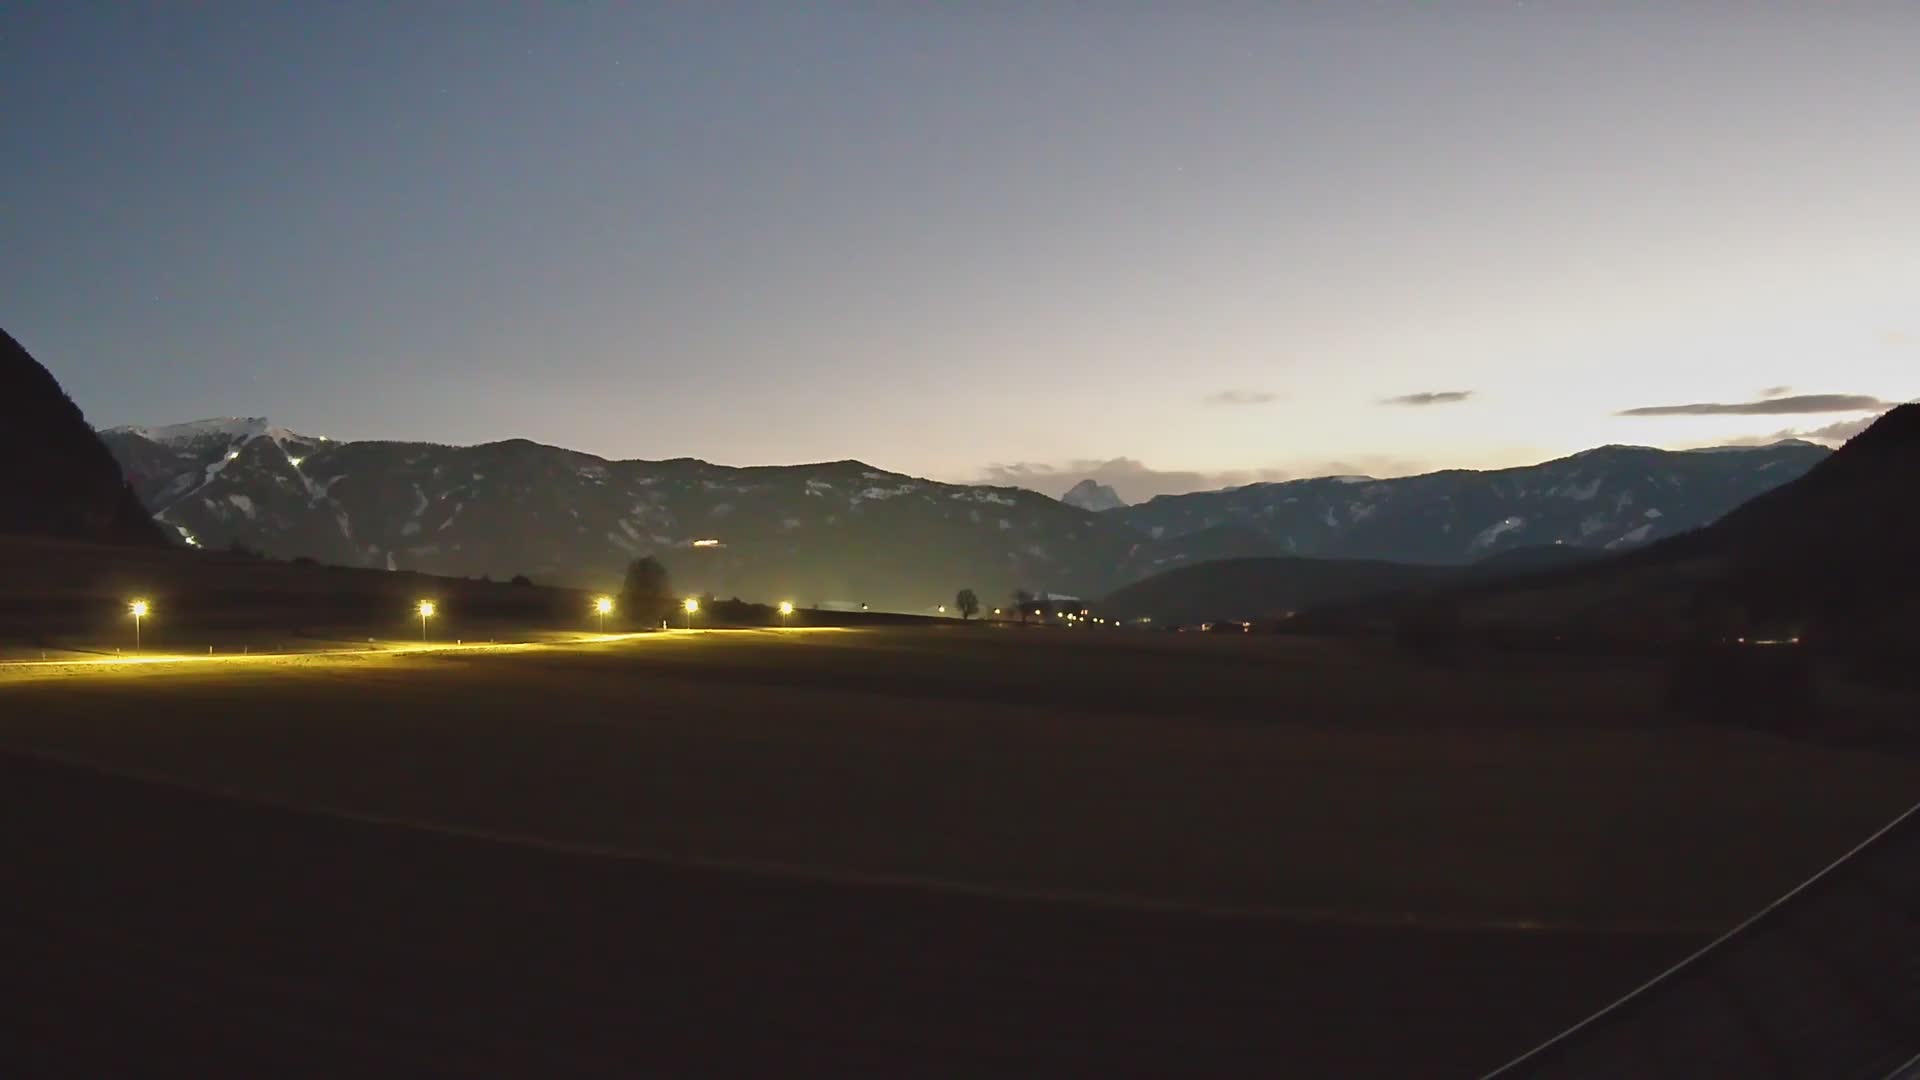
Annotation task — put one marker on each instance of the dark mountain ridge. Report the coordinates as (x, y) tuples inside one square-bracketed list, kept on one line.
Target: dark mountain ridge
[(60, 480)]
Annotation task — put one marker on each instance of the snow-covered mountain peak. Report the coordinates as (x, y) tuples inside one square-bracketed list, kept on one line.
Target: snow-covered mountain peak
[(228, 427), (232, 429), (1091, 495)]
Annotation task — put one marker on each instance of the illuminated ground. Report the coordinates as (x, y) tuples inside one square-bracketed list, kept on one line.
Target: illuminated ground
[(1504, 847)]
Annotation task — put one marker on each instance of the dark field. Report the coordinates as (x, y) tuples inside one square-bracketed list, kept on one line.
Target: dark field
[(991, 848)]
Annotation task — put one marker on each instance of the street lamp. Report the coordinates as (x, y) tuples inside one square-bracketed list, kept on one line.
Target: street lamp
[(426, 610), (138, 609), (690, 607), (786, 609), (601, 606)]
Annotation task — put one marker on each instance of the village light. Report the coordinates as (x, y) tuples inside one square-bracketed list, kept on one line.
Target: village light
[(601, 606), (786, 609), (690, 607), (138, 609), (426, 610)]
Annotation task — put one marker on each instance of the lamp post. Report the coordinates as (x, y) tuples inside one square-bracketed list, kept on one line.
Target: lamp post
[(138, 609), (786, 609), (690, 607), (600, 607), (426, 612)]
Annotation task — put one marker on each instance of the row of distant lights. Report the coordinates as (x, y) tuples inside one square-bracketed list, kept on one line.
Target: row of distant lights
[(427, 609), (1082, 617)]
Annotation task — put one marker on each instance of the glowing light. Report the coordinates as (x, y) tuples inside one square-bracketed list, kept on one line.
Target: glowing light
[(603, 605), (706, 543), (138, 609), (295, 462), (233, 455), (691, 605), (786, 607), (943, 609), (426, 609)]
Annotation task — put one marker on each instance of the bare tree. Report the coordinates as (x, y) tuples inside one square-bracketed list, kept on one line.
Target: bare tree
[(967, 602)]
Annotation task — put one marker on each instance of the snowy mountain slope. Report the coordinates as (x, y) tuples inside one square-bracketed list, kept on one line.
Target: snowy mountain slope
[(1611, 498), (832, 531)]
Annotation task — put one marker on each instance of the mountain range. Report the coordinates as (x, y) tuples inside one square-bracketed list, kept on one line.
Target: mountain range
[(850, 533)]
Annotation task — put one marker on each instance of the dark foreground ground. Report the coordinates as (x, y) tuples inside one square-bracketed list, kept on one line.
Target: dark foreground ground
[(891, 853), (151, 931)]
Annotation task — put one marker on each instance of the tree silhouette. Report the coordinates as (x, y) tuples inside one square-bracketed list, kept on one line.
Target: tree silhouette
[(647, 592), (968, 603)]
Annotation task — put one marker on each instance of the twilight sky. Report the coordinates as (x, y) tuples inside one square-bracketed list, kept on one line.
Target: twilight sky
[(1176, 245)]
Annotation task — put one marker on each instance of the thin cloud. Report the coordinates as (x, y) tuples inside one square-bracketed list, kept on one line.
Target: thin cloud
[(1431, 397), (1242, 397), (1830, 435), (1776, 391), (1136, 481), (1800, 405)]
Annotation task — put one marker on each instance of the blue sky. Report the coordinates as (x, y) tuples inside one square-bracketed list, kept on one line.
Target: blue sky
[(1170, 244)]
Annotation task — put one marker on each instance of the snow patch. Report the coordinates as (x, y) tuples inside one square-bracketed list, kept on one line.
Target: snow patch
[(1632, 537), (1583, 492), (1495, 531), (244, 504), (878, 493)]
